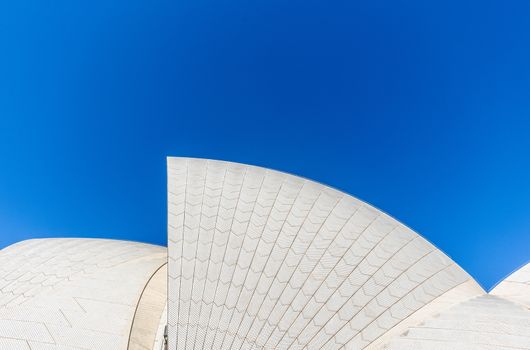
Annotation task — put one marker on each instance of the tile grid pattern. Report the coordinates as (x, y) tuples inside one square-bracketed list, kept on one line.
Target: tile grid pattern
[(72, 293), (259, 259)]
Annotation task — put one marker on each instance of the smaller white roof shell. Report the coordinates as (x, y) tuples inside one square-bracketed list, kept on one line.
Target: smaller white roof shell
[(72, 293), (515, 287), (499, 320)]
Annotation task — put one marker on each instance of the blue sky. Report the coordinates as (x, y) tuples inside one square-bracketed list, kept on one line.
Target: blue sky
[(420, 108)]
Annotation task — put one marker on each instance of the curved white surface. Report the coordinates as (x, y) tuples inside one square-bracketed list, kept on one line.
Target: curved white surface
[(149, 316), (259, 259), (72, 293), (487, 322), (515, 287)]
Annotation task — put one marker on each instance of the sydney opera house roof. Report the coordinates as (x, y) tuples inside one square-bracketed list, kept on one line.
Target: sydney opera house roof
[(73, 293), (256, 259)]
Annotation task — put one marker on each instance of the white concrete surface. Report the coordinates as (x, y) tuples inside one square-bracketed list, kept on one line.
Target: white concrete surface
[(72, 293), (149, 312), (259, 259), (515, 287), (486, 322)]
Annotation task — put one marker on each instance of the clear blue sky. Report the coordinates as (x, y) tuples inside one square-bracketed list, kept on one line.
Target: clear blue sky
[(420, 108)]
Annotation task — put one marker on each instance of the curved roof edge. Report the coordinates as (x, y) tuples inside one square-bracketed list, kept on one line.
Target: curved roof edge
[(148, 316), (261, 319), (515, 287), (368, 204), (72, 292)]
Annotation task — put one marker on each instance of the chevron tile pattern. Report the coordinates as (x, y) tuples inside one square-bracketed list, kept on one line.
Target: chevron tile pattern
[(259, 259), (64, 294)]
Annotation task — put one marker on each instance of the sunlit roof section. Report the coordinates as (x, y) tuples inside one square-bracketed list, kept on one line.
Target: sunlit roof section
[(260, 259), (72, 293)]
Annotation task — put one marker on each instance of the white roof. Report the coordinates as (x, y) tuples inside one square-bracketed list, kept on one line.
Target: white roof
[(516, 287), (72, 293), (260, 259), (499, 320), (485, 322)]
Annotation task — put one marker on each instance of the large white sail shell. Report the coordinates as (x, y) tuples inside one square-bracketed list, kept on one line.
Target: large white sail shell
[(260, 259)]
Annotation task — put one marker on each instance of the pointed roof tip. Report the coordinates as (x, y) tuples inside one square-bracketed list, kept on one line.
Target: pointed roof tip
[(516, 286), (371, 247)]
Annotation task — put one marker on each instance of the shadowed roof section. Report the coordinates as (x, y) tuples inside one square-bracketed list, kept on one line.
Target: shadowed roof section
[(148, 318), (72, 293), (260, 259)]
